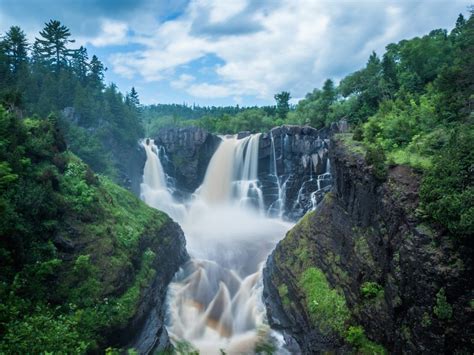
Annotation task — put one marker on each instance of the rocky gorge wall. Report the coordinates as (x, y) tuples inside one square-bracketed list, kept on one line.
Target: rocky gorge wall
[(186, 155), (293, 164), (403, 284)]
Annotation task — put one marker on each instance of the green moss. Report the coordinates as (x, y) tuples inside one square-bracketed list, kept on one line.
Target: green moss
[(443, 310), (351, 144), (425, 320), (326, 306), (371, 290), (355, 336), (283, 293)]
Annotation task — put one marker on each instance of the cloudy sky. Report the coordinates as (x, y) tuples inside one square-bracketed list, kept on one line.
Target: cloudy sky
[(217, 52)]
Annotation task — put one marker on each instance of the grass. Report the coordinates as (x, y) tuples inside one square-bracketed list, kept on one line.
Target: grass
[(326, 306)]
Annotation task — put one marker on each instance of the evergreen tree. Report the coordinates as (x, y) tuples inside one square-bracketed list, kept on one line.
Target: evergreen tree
[(133, 98), (283, 106), (80, 64), (96, 75), (16, 48), (52, 46)]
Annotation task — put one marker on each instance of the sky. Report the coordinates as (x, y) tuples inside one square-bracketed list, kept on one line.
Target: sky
[(227, 52)]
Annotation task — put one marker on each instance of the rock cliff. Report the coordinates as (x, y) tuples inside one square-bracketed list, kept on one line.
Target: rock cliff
[(293, 164), (293, 167), (404, 284), (186, 155)]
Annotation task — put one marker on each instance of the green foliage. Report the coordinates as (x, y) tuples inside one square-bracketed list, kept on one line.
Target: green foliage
[(371, 290), (375, 156), (358, 134), (67, 237), (426, 320), (282, 104), (52, 333), (447, 191), (183, 347), (327, 307), (355, 336), (99, 124), (443, 310)]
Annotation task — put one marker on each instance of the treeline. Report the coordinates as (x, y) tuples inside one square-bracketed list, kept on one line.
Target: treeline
[(414, 106), (213, 118), (47, 76)]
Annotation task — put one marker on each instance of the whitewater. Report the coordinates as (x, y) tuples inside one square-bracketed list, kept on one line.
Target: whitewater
[(215, 300)]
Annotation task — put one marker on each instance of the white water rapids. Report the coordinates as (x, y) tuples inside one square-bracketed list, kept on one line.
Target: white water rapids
[(215, 301)]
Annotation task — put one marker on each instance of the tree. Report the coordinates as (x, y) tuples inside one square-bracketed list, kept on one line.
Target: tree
[(96, 75), (16, 47), (132, 98), (52, 46), (283, 106), (80, 64)]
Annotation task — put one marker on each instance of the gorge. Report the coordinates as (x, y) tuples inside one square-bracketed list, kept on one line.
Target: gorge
[(289, 198), (215, 301), (254, 189)]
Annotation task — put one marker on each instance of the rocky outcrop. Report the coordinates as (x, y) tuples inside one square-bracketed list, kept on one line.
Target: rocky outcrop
[(186, 155), (130, 165), (148, 322), (293, 168), (367, 231)]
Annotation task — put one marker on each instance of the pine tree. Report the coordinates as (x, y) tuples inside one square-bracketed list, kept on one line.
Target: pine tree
[(16, 48), (80, 64), (52, 46), (96, 75), (133, 98)]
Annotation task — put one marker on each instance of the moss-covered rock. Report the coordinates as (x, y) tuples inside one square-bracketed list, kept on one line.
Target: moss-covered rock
[(84, 261), (404, 284)]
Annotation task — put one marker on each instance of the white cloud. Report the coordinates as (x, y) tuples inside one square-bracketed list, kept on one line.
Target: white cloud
[(298, 44), (183, 81), (206, 90), (111, 33)]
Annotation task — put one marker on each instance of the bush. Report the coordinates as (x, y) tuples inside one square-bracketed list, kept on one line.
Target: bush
[(375, 156), (371, 290), (327, 307), (358, 134), (447, 190), (442, 309), (355, 336)]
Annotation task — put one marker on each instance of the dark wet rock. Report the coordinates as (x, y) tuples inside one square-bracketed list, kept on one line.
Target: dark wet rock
[(368, 231), (186, 155), (146, 331), (298, 156)]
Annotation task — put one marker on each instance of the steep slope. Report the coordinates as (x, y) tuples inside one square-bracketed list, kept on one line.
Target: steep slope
[(83, 262), (364, 266)]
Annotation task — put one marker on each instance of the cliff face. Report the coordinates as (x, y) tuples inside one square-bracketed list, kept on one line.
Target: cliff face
[(186, 155), (402, 281), (293, 164), (293, 161)]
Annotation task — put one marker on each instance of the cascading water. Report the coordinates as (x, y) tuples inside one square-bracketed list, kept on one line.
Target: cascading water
[(154, 189), (215, 300)]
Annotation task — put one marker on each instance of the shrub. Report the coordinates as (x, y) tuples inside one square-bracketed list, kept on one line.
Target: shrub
[(442, 309), (358, 134), (327, 307), (371, 290), (375, 156), (355, 336)]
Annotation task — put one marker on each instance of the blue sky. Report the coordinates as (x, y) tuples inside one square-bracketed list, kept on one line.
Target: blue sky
[(223, 52)]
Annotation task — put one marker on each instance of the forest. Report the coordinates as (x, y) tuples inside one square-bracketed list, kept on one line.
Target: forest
[(63, 134)]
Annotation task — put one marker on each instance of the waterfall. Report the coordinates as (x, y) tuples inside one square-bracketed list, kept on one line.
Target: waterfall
[(215, 300), (232, 174), (154, 189), (279, 204)]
